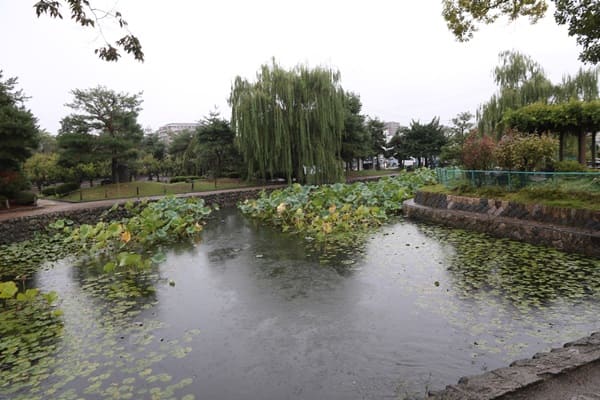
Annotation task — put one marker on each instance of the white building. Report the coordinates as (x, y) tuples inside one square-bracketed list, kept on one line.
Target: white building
[(390, 129), (167, 131)]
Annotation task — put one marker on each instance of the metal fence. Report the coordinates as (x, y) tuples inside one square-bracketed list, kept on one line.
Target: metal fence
[(514, 180)]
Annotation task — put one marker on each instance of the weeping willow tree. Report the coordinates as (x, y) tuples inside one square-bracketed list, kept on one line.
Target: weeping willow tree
[(290, 122), (522, 81)]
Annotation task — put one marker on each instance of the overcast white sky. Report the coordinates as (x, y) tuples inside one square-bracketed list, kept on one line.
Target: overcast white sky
[(396, 54)]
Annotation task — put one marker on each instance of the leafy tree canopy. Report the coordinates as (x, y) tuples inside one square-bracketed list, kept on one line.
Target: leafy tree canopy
[(356, 142), (423, 141), (290, 122), (581, 16), (215, 144), (522, 81), (18, 127), (104, 122), (85, 14)]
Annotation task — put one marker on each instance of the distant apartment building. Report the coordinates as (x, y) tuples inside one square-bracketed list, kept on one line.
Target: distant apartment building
[(390, 129), (167, 131)]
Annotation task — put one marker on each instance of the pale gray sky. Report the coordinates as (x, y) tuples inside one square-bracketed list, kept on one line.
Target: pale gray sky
[(397, 55)]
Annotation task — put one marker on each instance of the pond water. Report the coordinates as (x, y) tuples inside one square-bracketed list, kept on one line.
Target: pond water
[(249, 313)]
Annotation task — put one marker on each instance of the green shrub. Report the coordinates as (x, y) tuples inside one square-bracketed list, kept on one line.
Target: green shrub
[(231, 174), (49, 191), (12, 182), (60, 190), (189, 178), (24, 198), (569, 166), (3, 202)]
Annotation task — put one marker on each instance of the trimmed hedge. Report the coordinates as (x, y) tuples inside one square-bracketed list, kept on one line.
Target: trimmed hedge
[(177, 179), (60, 190), (24, 198)]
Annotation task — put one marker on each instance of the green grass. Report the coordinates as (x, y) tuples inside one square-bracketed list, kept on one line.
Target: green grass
[(568, 194), (130, 189), (372, 172)]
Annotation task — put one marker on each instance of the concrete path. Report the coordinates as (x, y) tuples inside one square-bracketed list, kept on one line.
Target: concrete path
[(52, 206)]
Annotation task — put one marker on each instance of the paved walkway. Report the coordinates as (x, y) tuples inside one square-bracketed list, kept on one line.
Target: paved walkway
[(53, 206)]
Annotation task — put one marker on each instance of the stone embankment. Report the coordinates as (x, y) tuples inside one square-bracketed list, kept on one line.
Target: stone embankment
[(566, 229), (569, 373)]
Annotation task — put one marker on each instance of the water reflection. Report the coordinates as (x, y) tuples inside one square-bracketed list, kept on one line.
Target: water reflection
[(251, 313)]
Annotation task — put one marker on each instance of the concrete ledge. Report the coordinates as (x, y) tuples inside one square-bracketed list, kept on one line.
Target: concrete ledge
[(571, 372), (578, 237)]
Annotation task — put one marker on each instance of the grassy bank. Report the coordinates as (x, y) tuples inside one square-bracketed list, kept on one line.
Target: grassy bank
[(568, 195), (145, 188)]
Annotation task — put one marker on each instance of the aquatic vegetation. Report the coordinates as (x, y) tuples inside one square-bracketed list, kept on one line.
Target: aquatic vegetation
[(134, 242), (30, 327), (336, 213), (33, 347)]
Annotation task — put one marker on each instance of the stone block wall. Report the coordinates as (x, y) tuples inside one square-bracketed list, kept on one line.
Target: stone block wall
[(577, 218), (576, 231)]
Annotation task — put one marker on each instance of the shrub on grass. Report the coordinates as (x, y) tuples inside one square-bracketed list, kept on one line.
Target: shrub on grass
[(569, 166), (60, 190), (177, 179), (24, 198)]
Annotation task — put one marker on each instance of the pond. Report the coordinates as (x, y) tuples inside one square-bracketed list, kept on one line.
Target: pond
[(249, 313)]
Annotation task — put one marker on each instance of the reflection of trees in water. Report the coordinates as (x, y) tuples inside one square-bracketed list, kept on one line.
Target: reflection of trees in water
[(276, 267), (229, 232), (520, 272)]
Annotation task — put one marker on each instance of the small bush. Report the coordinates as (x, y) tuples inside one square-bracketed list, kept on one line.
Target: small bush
[(3, 202), (231, 174), (11, 182), (49, 191), (177, 179), (569, 166), (24, 198), (60, 190)]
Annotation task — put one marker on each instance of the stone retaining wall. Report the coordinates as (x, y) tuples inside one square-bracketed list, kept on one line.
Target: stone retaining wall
[(23, 228), (577, 218), (570, 372), (576, 231)]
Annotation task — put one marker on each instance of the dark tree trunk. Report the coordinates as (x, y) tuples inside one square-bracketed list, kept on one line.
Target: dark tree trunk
[(581, 152), (561, 146), (594, 152), (114, 170)]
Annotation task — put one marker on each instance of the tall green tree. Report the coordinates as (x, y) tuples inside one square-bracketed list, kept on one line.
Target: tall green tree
[(18, 137), (375, 127), (84, 13), (214, 143), (152, 144), (457, 133), (290, 121), (184, 159), (398, 147), (521, 81), (18, 127), (581, 16), (423, 141), (355, 139), (112, 118)]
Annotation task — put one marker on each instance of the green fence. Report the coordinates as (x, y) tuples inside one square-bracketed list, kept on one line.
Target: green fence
[(514, 180)]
